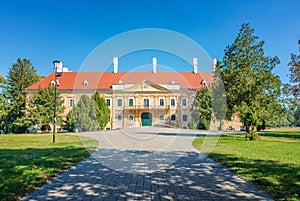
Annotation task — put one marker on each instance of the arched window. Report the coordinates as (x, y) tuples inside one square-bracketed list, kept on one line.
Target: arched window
[(120, 117), (85, 83), (173, 117), (131, 117)]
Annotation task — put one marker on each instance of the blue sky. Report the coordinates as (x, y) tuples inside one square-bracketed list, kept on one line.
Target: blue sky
[(43, 31)]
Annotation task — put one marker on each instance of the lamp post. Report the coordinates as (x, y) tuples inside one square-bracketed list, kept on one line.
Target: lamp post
[(58, 72)]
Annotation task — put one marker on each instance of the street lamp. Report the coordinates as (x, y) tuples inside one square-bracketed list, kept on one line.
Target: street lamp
[(58, 72)]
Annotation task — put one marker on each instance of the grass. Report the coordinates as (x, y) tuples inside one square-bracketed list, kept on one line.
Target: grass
[(28, 161), (272, 163)]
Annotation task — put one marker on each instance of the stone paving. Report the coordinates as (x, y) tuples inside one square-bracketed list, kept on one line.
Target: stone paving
[(148, 164)]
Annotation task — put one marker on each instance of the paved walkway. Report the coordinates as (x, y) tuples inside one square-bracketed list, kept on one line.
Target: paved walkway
[(148, 164)]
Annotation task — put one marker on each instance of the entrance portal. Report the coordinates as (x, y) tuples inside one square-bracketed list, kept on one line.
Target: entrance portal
[(146, 119)]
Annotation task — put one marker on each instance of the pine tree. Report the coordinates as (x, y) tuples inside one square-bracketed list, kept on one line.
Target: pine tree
[(4, 106), (21, 75), (102, 111), (40, 109), (85, 115), (248, 80)]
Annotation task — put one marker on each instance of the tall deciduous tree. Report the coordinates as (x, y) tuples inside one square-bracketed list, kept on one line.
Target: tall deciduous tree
[(102, 111), (40, 109), (21, 75), (85, 115), (294, 64), (249, 82)]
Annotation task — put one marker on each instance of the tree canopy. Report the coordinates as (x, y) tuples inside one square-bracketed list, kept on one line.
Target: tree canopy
[(251, 87), (21, 75), (85, 118), (40, 109), (102, 111)]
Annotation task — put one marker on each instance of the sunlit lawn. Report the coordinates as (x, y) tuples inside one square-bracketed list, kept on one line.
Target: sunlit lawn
[(28, 161), (272, 163)]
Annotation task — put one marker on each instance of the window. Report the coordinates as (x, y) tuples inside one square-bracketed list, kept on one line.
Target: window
[(184, 117), (120, 117), (161, 102), (172, 102), (184, 102), (85, 83), (120, 102), (71, 102), (162, 117), (108, 102), (146, 103), (173, 117), (130, 102), (131, 117)]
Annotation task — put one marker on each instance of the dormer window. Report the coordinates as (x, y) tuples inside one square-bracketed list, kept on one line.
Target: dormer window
[(85, 83), (172, 82), (203, 82), (52, 83), (120, 82)]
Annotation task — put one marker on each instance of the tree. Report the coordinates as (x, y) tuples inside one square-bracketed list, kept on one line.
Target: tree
[(294, 64), (102, 111), (201, 110), (4, 106), (249, 83), (21, 75), (69, 122), (40, 109), (85, 115)]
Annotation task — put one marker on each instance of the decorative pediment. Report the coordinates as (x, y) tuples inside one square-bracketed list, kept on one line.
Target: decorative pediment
[(146, 86)]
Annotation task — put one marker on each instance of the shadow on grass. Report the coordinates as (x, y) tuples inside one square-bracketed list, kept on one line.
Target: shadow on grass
[(292, 135), (22, 170), (282, 181)]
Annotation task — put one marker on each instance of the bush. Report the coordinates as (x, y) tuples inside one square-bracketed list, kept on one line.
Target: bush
[(204, 124), (253, 135)]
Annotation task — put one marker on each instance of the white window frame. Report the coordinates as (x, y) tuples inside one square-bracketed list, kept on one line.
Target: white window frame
[(162, 120), (70, 105), (186, 102), (132, 101), (163, 102), (121, 117), (174, 102), (109, 102), (121, 102)]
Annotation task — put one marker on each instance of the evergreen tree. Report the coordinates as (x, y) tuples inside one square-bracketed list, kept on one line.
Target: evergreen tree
[(102, 111), (40, 109), (85, 115), (201, 110), (249, 83), (4, 106), (69, 122), (21, 75)]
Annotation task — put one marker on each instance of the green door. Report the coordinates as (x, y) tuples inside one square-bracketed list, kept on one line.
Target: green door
[(146, 119)]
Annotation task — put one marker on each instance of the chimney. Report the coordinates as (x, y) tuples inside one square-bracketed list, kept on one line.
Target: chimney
[(115, 62), (154, 64), (195, 64), (214, 64)]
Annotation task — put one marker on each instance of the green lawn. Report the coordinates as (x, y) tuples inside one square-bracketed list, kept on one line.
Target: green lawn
[(272, 163), (28, 161)]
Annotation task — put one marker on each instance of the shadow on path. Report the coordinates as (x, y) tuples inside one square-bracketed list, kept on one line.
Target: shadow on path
[(191, 177)]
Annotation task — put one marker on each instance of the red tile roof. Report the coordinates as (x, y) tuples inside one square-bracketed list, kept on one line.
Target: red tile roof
[(104, 80)]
